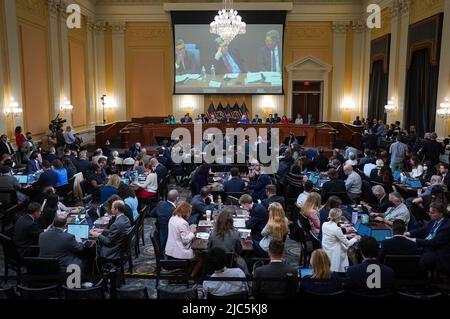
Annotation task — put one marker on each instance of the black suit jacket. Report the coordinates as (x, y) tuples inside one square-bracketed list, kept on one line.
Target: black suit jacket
[(162, 212), (199, 208), (274, 199), (220, 65), (265, 59), (234, 185), (4, 149), (161, 172), (333, 186), (273, 289), (26, 234), (112, 241), (56, 243), (383, 205), (47, 178), (321, 163), (356, 279), (440, 244), (189, 66), (397, 246), (258, 219)]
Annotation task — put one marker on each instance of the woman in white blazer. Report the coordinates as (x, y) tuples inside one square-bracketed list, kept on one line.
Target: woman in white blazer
[(335, 243), (181, 235)]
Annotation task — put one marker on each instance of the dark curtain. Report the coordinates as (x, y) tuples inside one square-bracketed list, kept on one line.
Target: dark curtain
[(421, 92), (378, 91)]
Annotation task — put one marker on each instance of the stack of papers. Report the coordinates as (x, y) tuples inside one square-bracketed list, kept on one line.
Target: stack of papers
[(205, 223), (215, 84), (253, 77), (231, 76), (202, 235), (181, 78)]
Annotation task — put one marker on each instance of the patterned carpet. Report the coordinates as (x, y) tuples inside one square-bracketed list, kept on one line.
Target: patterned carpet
[(145, 263)]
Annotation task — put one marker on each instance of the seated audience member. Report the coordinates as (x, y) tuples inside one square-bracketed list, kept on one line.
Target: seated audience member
[(335, 185), (9, 183), (258, 217), (163, 212), (276, 269), (353, 183), (217, 259), (159, 169), (417, 168), (200, 204), (34, 164), (135, 149), (352, 160), (337, 156), (180, 235), (61, 173), (443, 171), (82, 163), (69, 166), (275, 229), (128, 161), (299, 119), (145, 157), (284, 120), (108, 207), (5, 146), (385, 178), (47, 178), (111, 188), (433, 240), (95, 181), (57, 243), (149, 187), (383, 202), (323, 280), (320, 160), (332, 202), (49, 209), (258, 182), (335, 243), (129, 198), (235, 184), (116, 159), (200, 179), (112, 241), (368, 158), (371, 170), (163, 159), (256, 120), (336, 164), (311, 211), (307, 189), (349, 150), (271, 193), (27, 230), (357, 275), (51, 156), (398, 211), (398, 244), (98, 154)]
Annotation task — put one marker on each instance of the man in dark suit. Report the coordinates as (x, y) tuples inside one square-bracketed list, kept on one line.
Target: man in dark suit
[(235, 184), (34, 164), (200, 204), (334, 185), (310, 120), (82, 163), (112, 242), (57, 243), (5, 146), (185, 61), (159, 169), (431, 150), (47, 178), (399, 244), (270, 119), (270, 55), (381, 279), (256, 120), (26, 232), (163, 212), (434, 240), (9, 183), (258, 182), (277, 269), (320, 160), (227, 60), (271, 193), (258, 216), (186, 119), (443, 171)]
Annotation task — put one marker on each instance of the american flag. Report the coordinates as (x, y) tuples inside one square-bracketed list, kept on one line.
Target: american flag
[(244, 109), (220, 114), (236, 112), (211, 110)]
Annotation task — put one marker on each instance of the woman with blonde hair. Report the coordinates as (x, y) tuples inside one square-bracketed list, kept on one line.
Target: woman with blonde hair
[(311, 211), (111, 188), (276, 227), (322, 280), (334, 242)]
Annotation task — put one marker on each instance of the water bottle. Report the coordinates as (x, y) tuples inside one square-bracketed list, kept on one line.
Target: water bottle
[(219, 202), (213, 72), (203, 72), (354, 217), (77, 220), (136, 175)]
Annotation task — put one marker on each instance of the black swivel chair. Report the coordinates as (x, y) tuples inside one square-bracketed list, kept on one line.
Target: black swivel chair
[(11, 256), (50, 292), (96, 292), (7, 293), (177, 292), (132, 293)]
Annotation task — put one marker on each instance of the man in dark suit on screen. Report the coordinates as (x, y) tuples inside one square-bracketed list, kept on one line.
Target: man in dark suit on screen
[(270, 55), (184, 60), (227, 60)]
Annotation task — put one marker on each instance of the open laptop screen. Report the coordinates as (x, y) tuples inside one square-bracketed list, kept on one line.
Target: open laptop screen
[(381, 234), (78, 230)]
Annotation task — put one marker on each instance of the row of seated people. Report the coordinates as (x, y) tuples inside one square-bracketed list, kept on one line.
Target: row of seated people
[(271, 119)]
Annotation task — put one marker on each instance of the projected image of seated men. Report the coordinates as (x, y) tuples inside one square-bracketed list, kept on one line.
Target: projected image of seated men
[(185, 61), (269, 56), (227, 60)]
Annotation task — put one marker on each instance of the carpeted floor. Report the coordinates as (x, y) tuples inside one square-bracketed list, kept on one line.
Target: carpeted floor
[(145, 263)]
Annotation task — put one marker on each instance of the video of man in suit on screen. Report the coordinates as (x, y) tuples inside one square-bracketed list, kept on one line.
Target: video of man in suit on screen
[(251, 64)]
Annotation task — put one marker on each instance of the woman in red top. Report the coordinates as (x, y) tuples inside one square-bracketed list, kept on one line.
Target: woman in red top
[(284, 120), (20, 138)]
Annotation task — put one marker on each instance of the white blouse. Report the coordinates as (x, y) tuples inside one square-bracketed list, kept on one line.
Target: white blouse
[(417, 172), (150, 184), (179, 239)]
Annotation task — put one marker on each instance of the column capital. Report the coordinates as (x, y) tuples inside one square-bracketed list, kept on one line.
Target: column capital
[(96, 26), (358, 26), (404, 7), (340, 27), (118, 27)]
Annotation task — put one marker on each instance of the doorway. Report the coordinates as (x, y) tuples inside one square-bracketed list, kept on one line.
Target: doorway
[(307, 99)]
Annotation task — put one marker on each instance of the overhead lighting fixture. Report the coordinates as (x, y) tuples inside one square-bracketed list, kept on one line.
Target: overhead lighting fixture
[(444, 109), (13, 108), (67, 105), (227, 24), (390, 106)]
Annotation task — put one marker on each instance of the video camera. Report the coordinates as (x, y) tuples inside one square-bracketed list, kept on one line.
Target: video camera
[(57, 123)]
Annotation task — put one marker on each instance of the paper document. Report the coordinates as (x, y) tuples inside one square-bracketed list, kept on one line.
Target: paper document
[(181, 78), (194, 76), (215, 84), (231, 76), (239, 223)]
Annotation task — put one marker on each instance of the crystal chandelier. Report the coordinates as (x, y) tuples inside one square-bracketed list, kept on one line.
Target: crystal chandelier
[(444, 109), (227, 24)]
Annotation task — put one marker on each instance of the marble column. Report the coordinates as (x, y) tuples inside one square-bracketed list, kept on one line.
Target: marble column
[(358, 67), (339, 42), (91, 72), (99, 68), (118, 46), (54, 10), (393, 58)]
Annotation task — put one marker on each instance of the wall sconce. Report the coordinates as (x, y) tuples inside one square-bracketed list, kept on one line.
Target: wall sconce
[(13, 108), (66, 106), (390, 106), (444, 109), (348, 105)]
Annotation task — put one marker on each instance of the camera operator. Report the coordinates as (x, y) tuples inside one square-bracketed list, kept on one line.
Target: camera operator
[(28, 147), (70, 139)]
